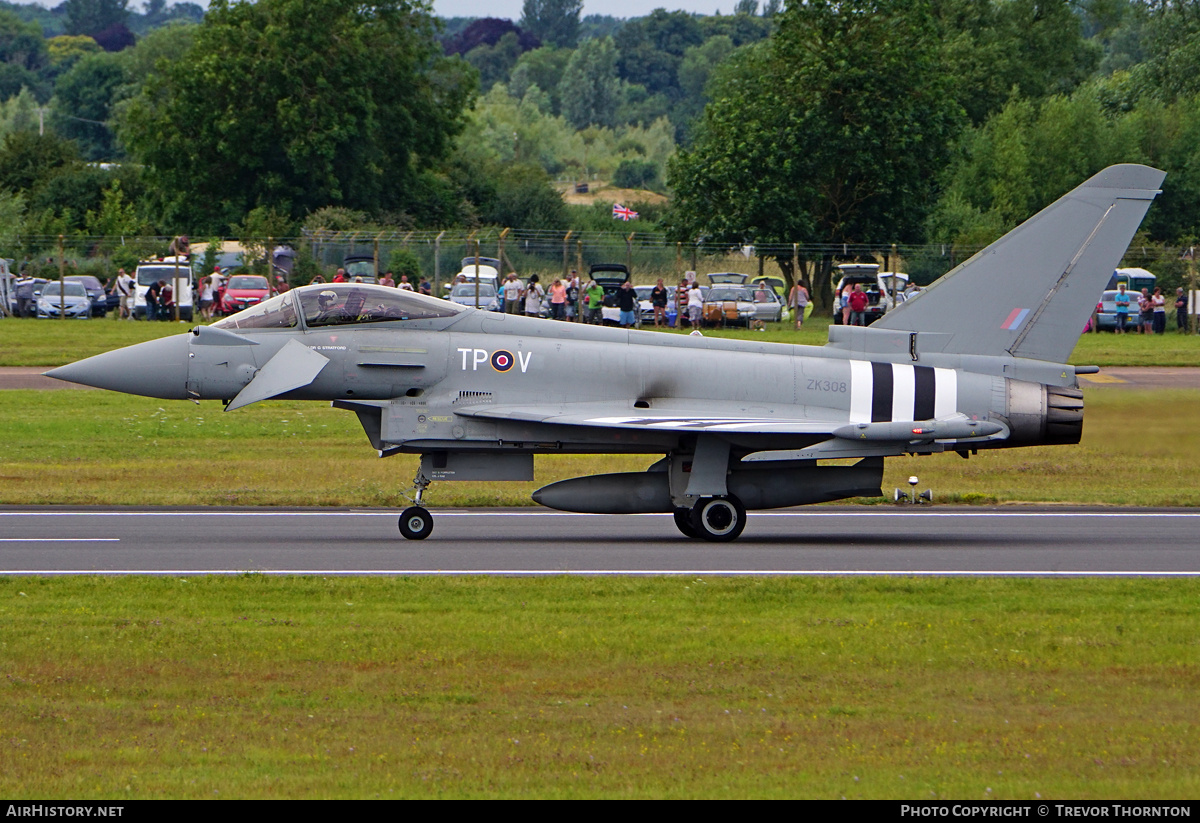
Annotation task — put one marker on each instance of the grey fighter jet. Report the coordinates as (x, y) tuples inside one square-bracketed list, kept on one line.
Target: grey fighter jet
[(976, 361)]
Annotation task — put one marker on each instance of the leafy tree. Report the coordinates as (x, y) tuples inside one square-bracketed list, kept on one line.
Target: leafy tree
[(589, 90), (636, 174), (1171, 39), (13, 78), (115, 38), (21, 44), (294, 105), (83, 99), (67, 49), (18, 113), (826, 133), (554, 22), (1034, 46), (488, 31), (542, 68), (28, 159), (652, 47), (495, 63), (92, 16)]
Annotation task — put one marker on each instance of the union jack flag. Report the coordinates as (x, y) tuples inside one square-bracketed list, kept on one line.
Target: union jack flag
[(620, 212)]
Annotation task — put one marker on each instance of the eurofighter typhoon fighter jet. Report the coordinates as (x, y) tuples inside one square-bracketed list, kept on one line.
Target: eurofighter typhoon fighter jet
[(976, 361)]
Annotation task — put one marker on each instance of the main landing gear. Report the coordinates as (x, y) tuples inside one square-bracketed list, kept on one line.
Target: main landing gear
[(717, 519), (416, 523)]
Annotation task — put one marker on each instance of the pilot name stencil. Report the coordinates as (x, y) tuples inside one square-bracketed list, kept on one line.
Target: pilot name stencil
[(501, 360)]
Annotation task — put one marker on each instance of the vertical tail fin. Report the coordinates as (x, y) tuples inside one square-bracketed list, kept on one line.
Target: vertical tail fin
[(1031, 292)]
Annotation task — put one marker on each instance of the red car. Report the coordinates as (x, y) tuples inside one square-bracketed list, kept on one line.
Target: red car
[(243, 290)]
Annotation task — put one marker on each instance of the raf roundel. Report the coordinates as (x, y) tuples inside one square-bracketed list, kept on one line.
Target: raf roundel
[(502, 360)]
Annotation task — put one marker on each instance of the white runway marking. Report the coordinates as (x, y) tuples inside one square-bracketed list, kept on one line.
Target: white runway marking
[(543, 513), (60, 540), (589, 573)]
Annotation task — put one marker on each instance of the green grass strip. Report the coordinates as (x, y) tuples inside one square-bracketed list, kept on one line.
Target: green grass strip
[(598, 687)]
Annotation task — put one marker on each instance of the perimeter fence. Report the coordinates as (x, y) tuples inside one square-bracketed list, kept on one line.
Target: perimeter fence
[(438, 255)]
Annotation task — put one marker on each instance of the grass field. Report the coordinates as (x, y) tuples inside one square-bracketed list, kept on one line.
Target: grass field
[(572, 687), (92, 447), (305, 687), (28, 342)]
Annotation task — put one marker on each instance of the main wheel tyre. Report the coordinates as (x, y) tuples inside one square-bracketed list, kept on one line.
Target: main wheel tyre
[(683, 520), (416, 523), (719, 519)]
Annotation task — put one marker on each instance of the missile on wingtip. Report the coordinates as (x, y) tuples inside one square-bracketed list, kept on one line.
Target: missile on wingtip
[(919, 430)]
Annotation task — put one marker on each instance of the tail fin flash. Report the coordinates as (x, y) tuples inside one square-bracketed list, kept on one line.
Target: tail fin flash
[(1031, 292)]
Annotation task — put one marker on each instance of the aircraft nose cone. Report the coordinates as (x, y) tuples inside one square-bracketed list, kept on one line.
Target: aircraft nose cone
[(156, 368)]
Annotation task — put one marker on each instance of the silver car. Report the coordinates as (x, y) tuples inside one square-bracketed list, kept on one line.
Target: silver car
[(74, 298), (464, 295), (767, 306)]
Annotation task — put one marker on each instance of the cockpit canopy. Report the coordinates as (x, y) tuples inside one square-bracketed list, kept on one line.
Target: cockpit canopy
[(339, 304)]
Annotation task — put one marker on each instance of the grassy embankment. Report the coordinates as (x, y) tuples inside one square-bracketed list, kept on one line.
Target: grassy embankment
[(568, 687), (91, 447), (28, 342)]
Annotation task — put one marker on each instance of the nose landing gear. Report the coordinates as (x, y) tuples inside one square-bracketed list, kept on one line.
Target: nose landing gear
[(416, 523)]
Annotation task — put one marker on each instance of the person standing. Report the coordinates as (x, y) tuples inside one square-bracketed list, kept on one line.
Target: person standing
[(1181, 322), (533, 297), (126, 290), (695, 304), (387, 280), (1145, 312), (152, 295), (1121, 301), (423, 286), (206, 298), (404, 285), (681, 302), (858, 306), (593, 302), (512, 294), (573, 297), (658, 299), (558, 300), (627, 304), (798, 302), (1158, 302)]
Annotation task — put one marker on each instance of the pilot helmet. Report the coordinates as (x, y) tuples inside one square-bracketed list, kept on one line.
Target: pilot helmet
[(326, 298)]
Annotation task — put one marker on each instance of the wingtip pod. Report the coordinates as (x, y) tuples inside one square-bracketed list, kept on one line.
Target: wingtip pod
[(1030, 293)]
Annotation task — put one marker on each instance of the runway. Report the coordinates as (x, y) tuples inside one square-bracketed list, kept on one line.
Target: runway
[(821, 540)]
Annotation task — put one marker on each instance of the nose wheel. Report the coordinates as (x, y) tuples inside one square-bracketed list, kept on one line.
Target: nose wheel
[(416, 523), (718, 519)]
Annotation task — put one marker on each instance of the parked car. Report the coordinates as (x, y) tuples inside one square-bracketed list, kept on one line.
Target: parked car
[(728, 306), (768, 306), (609, 276), (72, 301), (1106, 311), (153, 271), (730, 278), (646, 306), (776, 284), (95, 292), (361, 266), (464, 295), (243, 291), (879, 302)]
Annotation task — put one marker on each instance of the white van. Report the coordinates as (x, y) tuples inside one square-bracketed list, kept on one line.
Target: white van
[(152, 271)]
